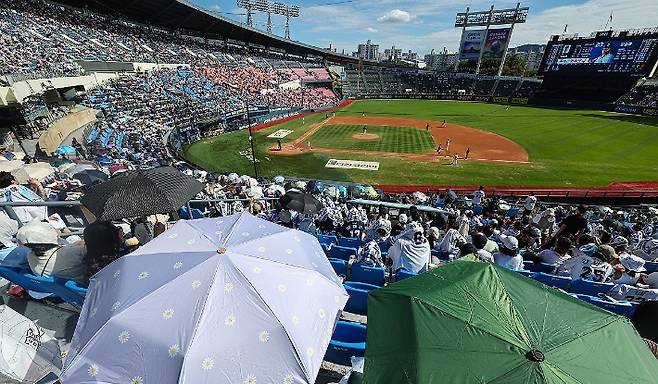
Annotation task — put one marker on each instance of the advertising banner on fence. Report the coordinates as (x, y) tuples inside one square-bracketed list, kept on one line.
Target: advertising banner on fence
[(471, 44), (495, 43), (353, 164)]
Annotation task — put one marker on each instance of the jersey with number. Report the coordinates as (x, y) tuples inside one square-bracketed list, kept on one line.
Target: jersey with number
[(477, 197), (530, 202), (353, 229), (647, 249), (631, 293), (587, 268)]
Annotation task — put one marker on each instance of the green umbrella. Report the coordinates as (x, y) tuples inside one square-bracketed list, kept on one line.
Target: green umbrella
[(474, 322)]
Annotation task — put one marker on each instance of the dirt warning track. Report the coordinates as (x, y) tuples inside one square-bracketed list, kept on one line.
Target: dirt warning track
[(484, 146)]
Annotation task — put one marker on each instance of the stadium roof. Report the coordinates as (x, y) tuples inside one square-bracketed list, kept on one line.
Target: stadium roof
[(195, 20)]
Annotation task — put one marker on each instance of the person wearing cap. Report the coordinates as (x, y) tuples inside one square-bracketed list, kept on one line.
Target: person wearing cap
[(47, 257), (12, 191), (370, 255), (558, 254), (449, 246), (478, 196), (628, 269), (479, 242), (647, 249), (592, 264), (529, 204), (399, 226), (508, 255)]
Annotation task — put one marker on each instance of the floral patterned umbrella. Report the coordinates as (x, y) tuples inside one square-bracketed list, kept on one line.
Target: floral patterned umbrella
[(227, 300)]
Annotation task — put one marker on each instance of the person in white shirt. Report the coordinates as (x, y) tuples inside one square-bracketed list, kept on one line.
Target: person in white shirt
[(411, 250), (478, 196), (592, 264), (480, 241), (529, 205), (557, 255), (449, 245), (508, 256)]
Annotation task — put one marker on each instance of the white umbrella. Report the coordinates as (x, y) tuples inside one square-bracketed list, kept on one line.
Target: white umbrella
[(27, 353), (33, 171), (274, 188), (12, 165), (419, 197)]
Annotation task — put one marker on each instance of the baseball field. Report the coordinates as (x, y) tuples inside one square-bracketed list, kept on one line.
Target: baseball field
[(513, 146)]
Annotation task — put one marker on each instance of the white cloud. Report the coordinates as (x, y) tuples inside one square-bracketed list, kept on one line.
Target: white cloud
[(371, 30), (396, 16)]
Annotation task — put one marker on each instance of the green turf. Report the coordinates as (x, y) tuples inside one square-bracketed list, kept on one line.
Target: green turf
[(391, 139), (567, 147)]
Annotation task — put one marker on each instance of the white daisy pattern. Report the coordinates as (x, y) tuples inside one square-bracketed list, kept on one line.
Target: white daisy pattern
[(117, 274), (218, 222), (310, 351), (230, 320), (296, 320), (115, 306), (289, 251), (92, 370), (297, 239), (137, 380), (191, 241), (321, 313), (261, 226), (173, 235), (93, 311), (337, 299), (178, 265), (289, 379), (207, 364), (228, 287), (196, 284), (143, 275), (310, 281), (124, 337), (264, 337), (261, 249), (251, 379), (258, 270), (245, 234), (168, 313), (173, 350), (281, 288)]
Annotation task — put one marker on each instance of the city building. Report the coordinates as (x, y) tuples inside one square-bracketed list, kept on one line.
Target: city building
[(531, 53), (367, 51), (393, 54), (443, 61)]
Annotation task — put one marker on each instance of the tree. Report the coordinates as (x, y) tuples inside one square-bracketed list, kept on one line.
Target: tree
[(515, 65)]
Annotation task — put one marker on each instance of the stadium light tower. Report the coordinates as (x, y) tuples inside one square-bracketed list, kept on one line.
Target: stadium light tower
[(248, 5), (288, 11), (270, 8)]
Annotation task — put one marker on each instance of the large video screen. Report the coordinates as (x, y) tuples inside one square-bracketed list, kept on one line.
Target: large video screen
[(632, 56)]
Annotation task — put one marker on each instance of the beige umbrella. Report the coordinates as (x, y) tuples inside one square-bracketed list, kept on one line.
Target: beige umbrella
[(33, 171), (9, 166)]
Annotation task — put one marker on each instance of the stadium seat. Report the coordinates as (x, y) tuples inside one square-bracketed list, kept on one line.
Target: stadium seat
[(184, 213), (326, 239), (561, 282), (539, 267), (349, 339), (623, 308), (349, 242), (383, 246), (66, 290), (651, 266), (370, 275), (358, 301), (343, 253), (403, 274), (591, 288), (525, 273), (339, 266)]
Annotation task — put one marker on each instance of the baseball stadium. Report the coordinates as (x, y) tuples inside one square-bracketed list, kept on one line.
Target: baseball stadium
[(263, 192)]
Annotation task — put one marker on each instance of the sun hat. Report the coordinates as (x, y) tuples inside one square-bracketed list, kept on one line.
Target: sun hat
[(632, 262), (37, 232), (510, 242)]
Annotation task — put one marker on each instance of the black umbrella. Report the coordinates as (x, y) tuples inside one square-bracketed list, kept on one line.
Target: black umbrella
[(91, 176), (141, 193), (300, 202)]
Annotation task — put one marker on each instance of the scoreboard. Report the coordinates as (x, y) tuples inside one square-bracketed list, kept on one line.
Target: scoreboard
[(634, 56)]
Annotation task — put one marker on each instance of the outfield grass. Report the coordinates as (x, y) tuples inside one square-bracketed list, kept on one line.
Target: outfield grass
[(391, 139), (567, 147)]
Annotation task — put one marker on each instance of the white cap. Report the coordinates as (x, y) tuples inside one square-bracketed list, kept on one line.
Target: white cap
[(402, 218), (652, 280), (37, 232), (632, 262), (510, 242)]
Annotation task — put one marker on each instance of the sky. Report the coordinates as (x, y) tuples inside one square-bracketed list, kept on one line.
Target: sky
[(423, 25)]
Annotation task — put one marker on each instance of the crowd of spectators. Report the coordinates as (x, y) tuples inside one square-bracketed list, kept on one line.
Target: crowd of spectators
[(644, 95)]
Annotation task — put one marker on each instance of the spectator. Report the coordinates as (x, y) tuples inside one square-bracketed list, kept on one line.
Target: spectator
[(12, 191), (558, 254), (103, 241), (11, 254), (47, 257), (411, 251), (370, 255), (480, 241), (592, 263), (508, 255)]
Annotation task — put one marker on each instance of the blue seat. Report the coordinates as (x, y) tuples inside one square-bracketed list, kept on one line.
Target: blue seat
[(591, 288), (358, 301), (352, 242), (184, 213), (339, 266), (383, 246), (651, 266), (539, 267), (623, 308), (326, 248), (371, 275), (327, 239), (349, 339), (404, 274), (66, 290), (512, 212), (561, 282), (343, 253), (525, 273)]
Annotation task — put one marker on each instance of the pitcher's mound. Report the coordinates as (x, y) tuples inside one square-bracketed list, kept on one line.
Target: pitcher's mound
[(365, 136)]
